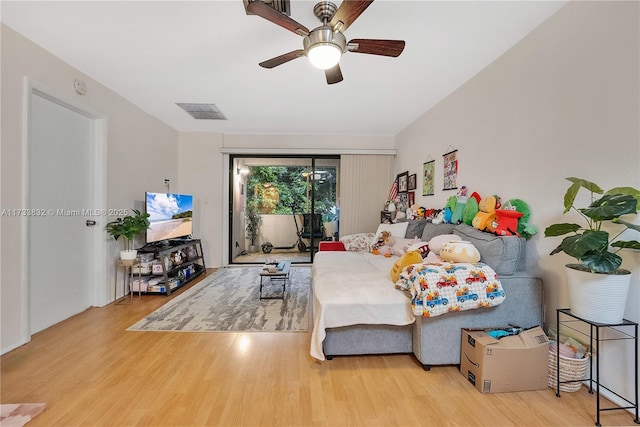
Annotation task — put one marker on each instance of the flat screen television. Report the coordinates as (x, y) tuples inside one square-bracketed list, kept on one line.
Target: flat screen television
[(170, 215)]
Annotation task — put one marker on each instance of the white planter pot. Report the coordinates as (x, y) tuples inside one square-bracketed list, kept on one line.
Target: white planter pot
[(598, 297), (128, 257)]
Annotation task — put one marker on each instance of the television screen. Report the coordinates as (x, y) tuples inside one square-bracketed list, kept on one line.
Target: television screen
[(170, 216)]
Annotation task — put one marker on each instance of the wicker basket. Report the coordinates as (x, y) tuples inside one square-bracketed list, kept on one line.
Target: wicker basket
[(570, 369)]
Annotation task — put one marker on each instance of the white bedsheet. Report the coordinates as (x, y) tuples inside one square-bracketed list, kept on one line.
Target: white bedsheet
[(353, 288)]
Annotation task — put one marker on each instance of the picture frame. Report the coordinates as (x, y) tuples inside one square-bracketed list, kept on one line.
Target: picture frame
[(403, 182), (412, 198), (428, 173), (403, 202), (411, 185)]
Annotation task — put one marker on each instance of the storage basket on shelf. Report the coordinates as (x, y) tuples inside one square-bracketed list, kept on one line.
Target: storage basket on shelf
[(570, 369)]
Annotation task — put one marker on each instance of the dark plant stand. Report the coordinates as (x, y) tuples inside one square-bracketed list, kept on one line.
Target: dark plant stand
[(621, 332)]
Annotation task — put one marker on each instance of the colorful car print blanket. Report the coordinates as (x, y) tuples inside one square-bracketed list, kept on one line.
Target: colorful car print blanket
[(437, 289)]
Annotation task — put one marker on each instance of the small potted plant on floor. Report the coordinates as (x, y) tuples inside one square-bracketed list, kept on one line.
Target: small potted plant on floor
[(128, 227), (253, 220), (598, 287)]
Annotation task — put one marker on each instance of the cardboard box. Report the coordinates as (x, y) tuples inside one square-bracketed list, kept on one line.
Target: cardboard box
[(511, 363)]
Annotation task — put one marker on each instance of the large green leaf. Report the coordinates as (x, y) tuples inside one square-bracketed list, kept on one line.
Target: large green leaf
[(626, 190), (610, 206), (626, 244), (572, 191), (578, 245), (560, 229), (601, 261)]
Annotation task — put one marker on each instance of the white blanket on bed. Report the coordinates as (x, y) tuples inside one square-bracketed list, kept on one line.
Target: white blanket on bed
[(354, 288)]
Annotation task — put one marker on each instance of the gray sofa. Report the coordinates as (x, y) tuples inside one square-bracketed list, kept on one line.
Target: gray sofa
[(436, 340)]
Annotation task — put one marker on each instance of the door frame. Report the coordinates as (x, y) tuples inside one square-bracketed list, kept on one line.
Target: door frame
[(98, 270), (228, 173)]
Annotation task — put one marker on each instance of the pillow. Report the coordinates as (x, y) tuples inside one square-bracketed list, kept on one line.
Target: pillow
[(435, 244), (421, 247), (406, 259), (401, 246), (396, 230), (357, 242), (459, 252)]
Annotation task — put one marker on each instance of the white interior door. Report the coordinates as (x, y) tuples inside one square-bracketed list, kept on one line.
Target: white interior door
[(60, 186)]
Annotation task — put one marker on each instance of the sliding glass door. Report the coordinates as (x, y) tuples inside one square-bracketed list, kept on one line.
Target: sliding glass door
[(281, 207)]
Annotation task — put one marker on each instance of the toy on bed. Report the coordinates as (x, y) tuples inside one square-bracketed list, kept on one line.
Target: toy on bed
[(384, 245)]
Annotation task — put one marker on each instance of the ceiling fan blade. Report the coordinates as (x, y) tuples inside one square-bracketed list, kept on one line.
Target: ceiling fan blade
[(376, 47), (270, 14), (334, 74), (348, 12), (279, 60)]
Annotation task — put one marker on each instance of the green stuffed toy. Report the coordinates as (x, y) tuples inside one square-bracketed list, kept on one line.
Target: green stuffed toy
[(525, 229), (471, 208)]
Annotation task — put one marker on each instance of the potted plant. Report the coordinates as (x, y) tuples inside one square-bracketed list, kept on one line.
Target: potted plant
[(253, 220), (598, 287), (128, 227)]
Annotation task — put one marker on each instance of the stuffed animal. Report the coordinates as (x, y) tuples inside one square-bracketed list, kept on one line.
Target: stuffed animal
[(461, 202), (460, 251), (506, 222), (525, 229), (449, 208), (486, 213), (384, 245)]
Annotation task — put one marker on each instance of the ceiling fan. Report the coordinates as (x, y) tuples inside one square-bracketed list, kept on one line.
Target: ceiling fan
[(325, 44)]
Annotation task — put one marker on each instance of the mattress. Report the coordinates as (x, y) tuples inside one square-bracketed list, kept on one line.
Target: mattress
[(353, 288)]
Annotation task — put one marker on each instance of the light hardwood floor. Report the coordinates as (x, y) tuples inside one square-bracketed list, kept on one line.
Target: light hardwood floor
[(91, 372)]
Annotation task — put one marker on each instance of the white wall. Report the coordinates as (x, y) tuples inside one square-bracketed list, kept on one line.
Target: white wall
[(141, 152), (202, 174), (562, 102)]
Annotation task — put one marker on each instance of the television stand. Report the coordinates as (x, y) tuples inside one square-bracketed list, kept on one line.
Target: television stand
[(177, 270)]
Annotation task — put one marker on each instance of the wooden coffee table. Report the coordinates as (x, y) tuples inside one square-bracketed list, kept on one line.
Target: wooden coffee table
[(281, 275)]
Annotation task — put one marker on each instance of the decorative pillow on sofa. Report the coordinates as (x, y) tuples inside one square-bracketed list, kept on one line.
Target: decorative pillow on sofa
[(357, 242), (459, 252), (397, 230), (436, 243), (406, 259)]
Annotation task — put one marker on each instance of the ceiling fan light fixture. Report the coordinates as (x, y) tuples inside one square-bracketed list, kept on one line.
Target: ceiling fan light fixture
[(324, 47), (324, 55)]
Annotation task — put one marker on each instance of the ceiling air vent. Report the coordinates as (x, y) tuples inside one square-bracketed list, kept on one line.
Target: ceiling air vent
[(202, 111), (279, 5)]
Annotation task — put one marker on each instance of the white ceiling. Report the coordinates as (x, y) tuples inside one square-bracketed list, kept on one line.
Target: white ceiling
[(157, 53)]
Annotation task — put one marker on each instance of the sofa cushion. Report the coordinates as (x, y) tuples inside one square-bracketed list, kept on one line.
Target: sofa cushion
[(415, 228), (505, 254), (431, 230)]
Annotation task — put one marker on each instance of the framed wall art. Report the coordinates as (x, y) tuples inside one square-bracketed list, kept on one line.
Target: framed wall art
[(412, 182), (403, 182), (411, 200), (450, 170), (428, 172)]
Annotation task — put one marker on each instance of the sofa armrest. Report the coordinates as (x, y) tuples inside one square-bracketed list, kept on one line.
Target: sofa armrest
[(331, 246)]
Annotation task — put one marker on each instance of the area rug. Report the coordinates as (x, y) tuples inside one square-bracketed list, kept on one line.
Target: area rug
[(17, 415), (230, 301)]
